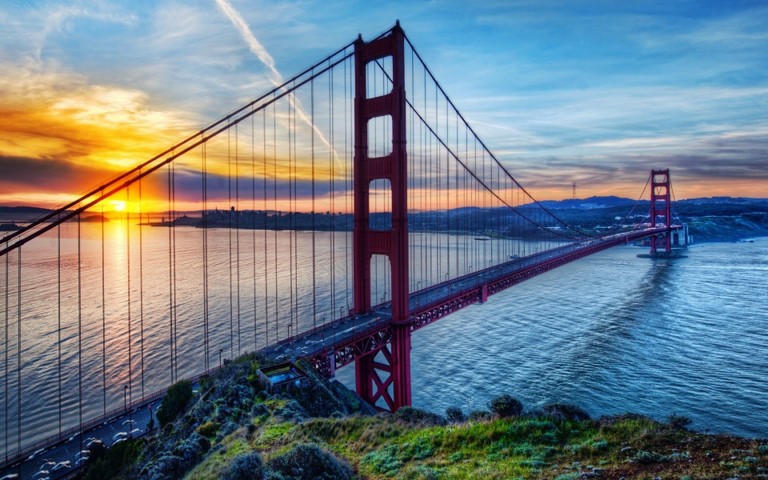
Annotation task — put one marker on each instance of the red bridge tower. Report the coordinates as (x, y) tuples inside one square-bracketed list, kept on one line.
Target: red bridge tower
[(384, 373), (661, 207)]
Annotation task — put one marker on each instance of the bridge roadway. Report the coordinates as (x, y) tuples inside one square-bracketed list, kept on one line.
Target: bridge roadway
[(349, 336), (341, 340)]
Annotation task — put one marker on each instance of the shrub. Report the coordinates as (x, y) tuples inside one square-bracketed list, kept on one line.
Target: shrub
[(679, 422), (505, 406), (568, 476), (648, 457), (455, 415), (111, 462), (309, 462), (417, 417), (191, 450), (480, 416), (562, 411), (246, 466), (208, 429), (174, 402)]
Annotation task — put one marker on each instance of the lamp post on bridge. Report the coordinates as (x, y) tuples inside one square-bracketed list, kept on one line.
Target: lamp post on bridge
[(221, 350)]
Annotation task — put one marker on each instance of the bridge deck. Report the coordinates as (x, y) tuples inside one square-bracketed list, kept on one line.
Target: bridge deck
[(349, 336)]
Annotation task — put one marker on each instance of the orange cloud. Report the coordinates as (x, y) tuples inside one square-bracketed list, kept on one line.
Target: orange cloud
[(60, 123)]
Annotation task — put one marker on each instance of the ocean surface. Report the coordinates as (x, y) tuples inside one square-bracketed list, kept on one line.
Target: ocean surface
[(611, 333), (614, 333)]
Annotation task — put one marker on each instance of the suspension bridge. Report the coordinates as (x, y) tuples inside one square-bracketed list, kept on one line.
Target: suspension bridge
[(327, 220)]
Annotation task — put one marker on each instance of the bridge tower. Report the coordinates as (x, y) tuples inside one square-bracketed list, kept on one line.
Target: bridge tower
[(384, 373), (661, 207)]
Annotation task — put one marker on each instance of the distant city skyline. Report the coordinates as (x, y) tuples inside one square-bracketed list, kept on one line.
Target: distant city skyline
[(591, 92)]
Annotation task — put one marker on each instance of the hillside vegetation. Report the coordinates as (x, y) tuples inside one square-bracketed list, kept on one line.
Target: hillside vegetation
[(233, 429)]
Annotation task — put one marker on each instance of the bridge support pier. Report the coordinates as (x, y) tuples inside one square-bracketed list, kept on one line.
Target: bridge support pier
[(383, 377)]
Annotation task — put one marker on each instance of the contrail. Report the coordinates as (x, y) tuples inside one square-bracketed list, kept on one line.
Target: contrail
[(253, 43), (261, 52)]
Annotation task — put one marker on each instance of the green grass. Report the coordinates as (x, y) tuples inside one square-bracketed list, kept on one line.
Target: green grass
[(416, 445)]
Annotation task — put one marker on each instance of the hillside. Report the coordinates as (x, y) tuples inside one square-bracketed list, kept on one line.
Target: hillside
[(235, 430)]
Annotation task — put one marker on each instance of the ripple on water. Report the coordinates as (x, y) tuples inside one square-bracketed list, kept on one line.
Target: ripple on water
[(614, 333)]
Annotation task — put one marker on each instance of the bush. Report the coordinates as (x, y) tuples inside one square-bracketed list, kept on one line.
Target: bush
[(562, 411), (505, 406), (191, 450), (417, 417), (174, 402), (246, 466), (208, 429), (309, 462), (679, 422), (115, 460), (455, 415), (648, 458), (480, 416)]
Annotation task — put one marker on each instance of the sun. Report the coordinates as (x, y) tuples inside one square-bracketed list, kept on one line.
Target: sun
[(118, 205)]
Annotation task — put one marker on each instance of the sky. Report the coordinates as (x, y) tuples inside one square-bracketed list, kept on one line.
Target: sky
[(591, 92)]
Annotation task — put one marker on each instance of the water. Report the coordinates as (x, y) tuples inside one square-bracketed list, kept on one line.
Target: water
[(112, 313), (614, 333), (611, 332)]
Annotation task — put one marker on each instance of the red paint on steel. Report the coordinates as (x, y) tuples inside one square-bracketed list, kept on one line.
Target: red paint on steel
[(661, 205), (393, 243)]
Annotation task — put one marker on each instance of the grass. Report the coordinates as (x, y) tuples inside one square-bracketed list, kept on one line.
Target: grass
[(417, 445), (379, 447)]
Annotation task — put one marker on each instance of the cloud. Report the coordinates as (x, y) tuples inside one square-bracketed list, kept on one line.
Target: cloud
[(50, 114)]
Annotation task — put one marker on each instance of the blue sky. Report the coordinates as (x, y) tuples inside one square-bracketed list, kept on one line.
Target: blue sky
[(597, 92)]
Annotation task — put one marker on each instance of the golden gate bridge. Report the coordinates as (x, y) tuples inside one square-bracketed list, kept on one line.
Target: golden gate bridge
[(327, 220)]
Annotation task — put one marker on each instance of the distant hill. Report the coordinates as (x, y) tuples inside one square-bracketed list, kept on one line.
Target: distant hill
[(589, 203), (21, 214)]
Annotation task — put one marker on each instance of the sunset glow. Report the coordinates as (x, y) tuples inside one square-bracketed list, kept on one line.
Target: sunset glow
[(118, 205), (595, 96)]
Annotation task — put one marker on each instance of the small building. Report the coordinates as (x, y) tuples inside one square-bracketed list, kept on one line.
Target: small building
[(279, 377)]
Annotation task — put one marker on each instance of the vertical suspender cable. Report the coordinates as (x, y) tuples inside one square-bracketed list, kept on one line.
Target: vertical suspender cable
[(58, 308), (237, 234), (170, 278), (18, 351), (175, 305), (79, 332), (332, 195), (290, 214), (276, 218), (314, 213), (103, 320), (141, 287), (447, 192), (292, 165), (206, 318), (230, 210), (204, 224), (128, 272), (252, 226), (264, 226), (6, 373)]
